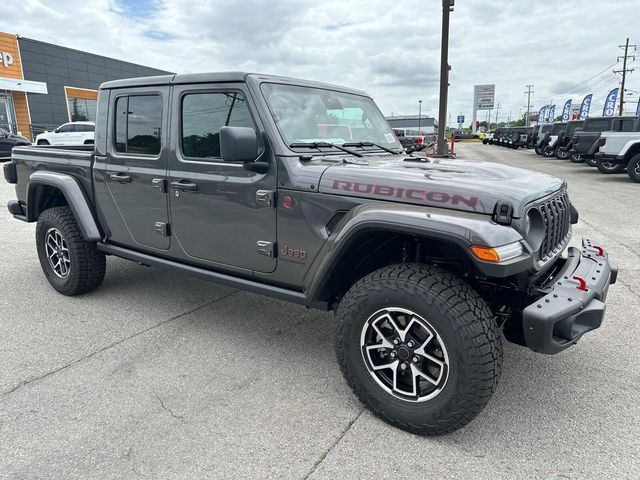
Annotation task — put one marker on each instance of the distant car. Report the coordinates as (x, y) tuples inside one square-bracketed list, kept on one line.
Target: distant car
[(8, 140), (462, 135), (72, 133), (411, 140)]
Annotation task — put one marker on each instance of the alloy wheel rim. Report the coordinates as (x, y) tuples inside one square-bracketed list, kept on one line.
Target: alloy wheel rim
[(57, 252), (404, 354), (636, 168)]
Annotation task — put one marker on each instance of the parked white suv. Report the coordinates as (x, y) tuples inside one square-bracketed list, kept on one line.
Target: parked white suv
[(72, 133)]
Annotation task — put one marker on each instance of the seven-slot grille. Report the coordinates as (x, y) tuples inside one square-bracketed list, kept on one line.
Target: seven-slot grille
[(556, 215)]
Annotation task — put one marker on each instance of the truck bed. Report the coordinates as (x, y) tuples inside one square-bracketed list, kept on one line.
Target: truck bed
[(74, 160)]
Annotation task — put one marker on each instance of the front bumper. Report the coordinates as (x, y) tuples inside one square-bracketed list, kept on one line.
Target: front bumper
[(574, 302)]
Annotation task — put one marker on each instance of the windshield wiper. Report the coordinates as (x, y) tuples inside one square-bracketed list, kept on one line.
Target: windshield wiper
[(371, 144), (325, 145)]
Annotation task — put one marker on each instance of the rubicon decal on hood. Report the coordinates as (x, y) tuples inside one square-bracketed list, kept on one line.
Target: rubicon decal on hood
[(411, 194)]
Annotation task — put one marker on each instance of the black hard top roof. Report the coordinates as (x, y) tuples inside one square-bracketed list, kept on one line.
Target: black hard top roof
[(220, 77)]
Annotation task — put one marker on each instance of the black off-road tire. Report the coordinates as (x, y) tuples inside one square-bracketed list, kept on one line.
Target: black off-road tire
[(461, 318), (608, 167), (548, 152), (576, 158), (87, 264), (592, 162), (537, 150), (562, 154), (633, 168)]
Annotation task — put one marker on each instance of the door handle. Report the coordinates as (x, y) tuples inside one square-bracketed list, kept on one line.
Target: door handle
[(184, 185), (120, 178)]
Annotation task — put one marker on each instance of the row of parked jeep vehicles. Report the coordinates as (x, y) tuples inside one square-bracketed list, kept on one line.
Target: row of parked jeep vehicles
[(612, 144)]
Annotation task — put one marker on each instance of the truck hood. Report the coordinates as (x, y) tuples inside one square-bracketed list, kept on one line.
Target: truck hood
[(455, 184)]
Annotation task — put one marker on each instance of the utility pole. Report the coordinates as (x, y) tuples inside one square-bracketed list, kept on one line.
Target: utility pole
[(529, 92), (497, 110), (624, 70), (447, 7)]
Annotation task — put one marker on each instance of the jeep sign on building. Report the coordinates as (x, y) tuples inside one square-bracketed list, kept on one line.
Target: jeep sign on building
[(44, 85)]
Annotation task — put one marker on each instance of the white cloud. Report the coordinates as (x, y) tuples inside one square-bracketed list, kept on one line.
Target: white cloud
[(390, 49)]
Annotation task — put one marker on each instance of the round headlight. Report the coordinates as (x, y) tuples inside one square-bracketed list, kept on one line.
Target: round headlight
[(534, 228)]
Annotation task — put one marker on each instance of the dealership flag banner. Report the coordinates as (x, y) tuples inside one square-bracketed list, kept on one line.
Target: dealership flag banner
[(586, 105), (566, 111), (541, 114), (610, 104), (552, 113)]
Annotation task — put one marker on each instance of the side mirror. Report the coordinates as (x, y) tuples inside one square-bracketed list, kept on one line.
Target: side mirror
[(238, 144)]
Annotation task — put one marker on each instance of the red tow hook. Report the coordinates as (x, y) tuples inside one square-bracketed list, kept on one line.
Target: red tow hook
[(600, 250), (582, 282)]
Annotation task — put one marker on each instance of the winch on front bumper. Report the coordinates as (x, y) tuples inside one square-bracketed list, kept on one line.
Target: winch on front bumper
[(574, 304)]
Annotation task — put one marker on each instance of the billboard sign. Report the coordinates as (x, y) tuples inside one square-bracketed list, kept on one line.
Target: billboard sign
[(484, 96)]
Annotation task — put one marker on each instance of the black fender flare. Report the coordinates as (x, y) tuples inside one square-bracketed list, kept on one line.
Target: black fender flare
[(73, 193), (461, 228)]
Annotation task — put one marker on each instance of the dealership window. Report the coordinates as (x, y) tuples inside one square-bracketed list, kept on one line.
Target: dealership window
[(204, 114), (82, 109), (138, 122)]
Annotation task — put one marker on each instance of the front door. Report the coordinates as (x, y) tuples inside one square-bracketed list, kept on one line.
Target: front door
[(216, 216), (136, 167)]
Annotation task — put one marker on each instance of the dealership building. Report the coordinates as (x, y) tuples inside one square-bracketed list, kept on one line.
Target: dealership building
[(43, 86)]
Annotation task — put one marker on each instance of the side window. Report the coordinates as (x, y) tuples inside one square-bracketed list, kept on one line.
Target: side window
[(204, 114), (138, 124), (627, 125), (68, 128)]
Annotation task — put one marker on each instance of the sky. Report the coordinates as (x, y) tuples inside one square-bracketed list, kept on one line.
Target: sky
[(391, 49)]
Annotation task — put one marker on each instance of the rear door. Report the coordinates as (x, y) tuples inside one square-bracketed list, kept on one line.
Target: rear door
[(219, 211), (136, 167)]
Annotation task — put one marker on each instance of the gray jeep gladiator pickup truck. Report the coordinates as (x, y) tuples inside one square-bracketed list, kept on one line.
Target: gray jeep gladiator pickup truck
[(300, 190)]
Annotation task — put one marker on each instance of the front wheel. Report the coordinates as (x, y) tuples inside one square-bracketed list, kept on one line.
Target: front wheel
[(418, 347), (71, 264), (608, 166), (633, 168), (548, 152), (562, 154), (43, 142)]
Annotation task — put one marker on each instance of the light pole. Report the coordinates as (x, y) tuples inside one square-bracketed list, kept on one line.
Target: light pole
[(447, 6), (419, 113)]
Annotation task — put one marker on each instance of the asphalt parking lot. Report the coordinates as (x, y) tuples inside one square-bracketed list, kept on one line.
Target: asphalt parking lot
[(157, 375)]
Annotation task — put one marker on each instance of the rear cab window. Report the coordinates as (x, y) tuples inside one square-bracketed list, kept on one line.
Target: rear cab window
[(597, 125), (138, 121)]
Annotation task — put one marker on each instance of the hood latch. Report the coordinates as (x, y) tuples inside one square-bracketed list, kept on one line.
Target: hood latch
[(503, 213)]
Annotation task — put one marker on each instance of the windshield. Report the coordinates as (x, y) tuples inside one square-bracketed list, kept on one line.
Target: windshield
[(307, 115)]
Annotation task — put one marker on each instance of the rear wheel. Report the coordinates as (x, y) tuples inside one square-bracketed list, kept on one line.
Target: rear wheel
[(562, 154), (633, 169), (609, 166), (71, 264), (577, 158), (592, 162), (43, 142), (538, 150), (419, 348), (548, 152)]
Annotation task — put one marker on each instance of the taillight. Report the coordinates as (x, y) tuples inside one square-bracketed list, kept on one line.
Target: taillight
[(601, 141), (419, 140)]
